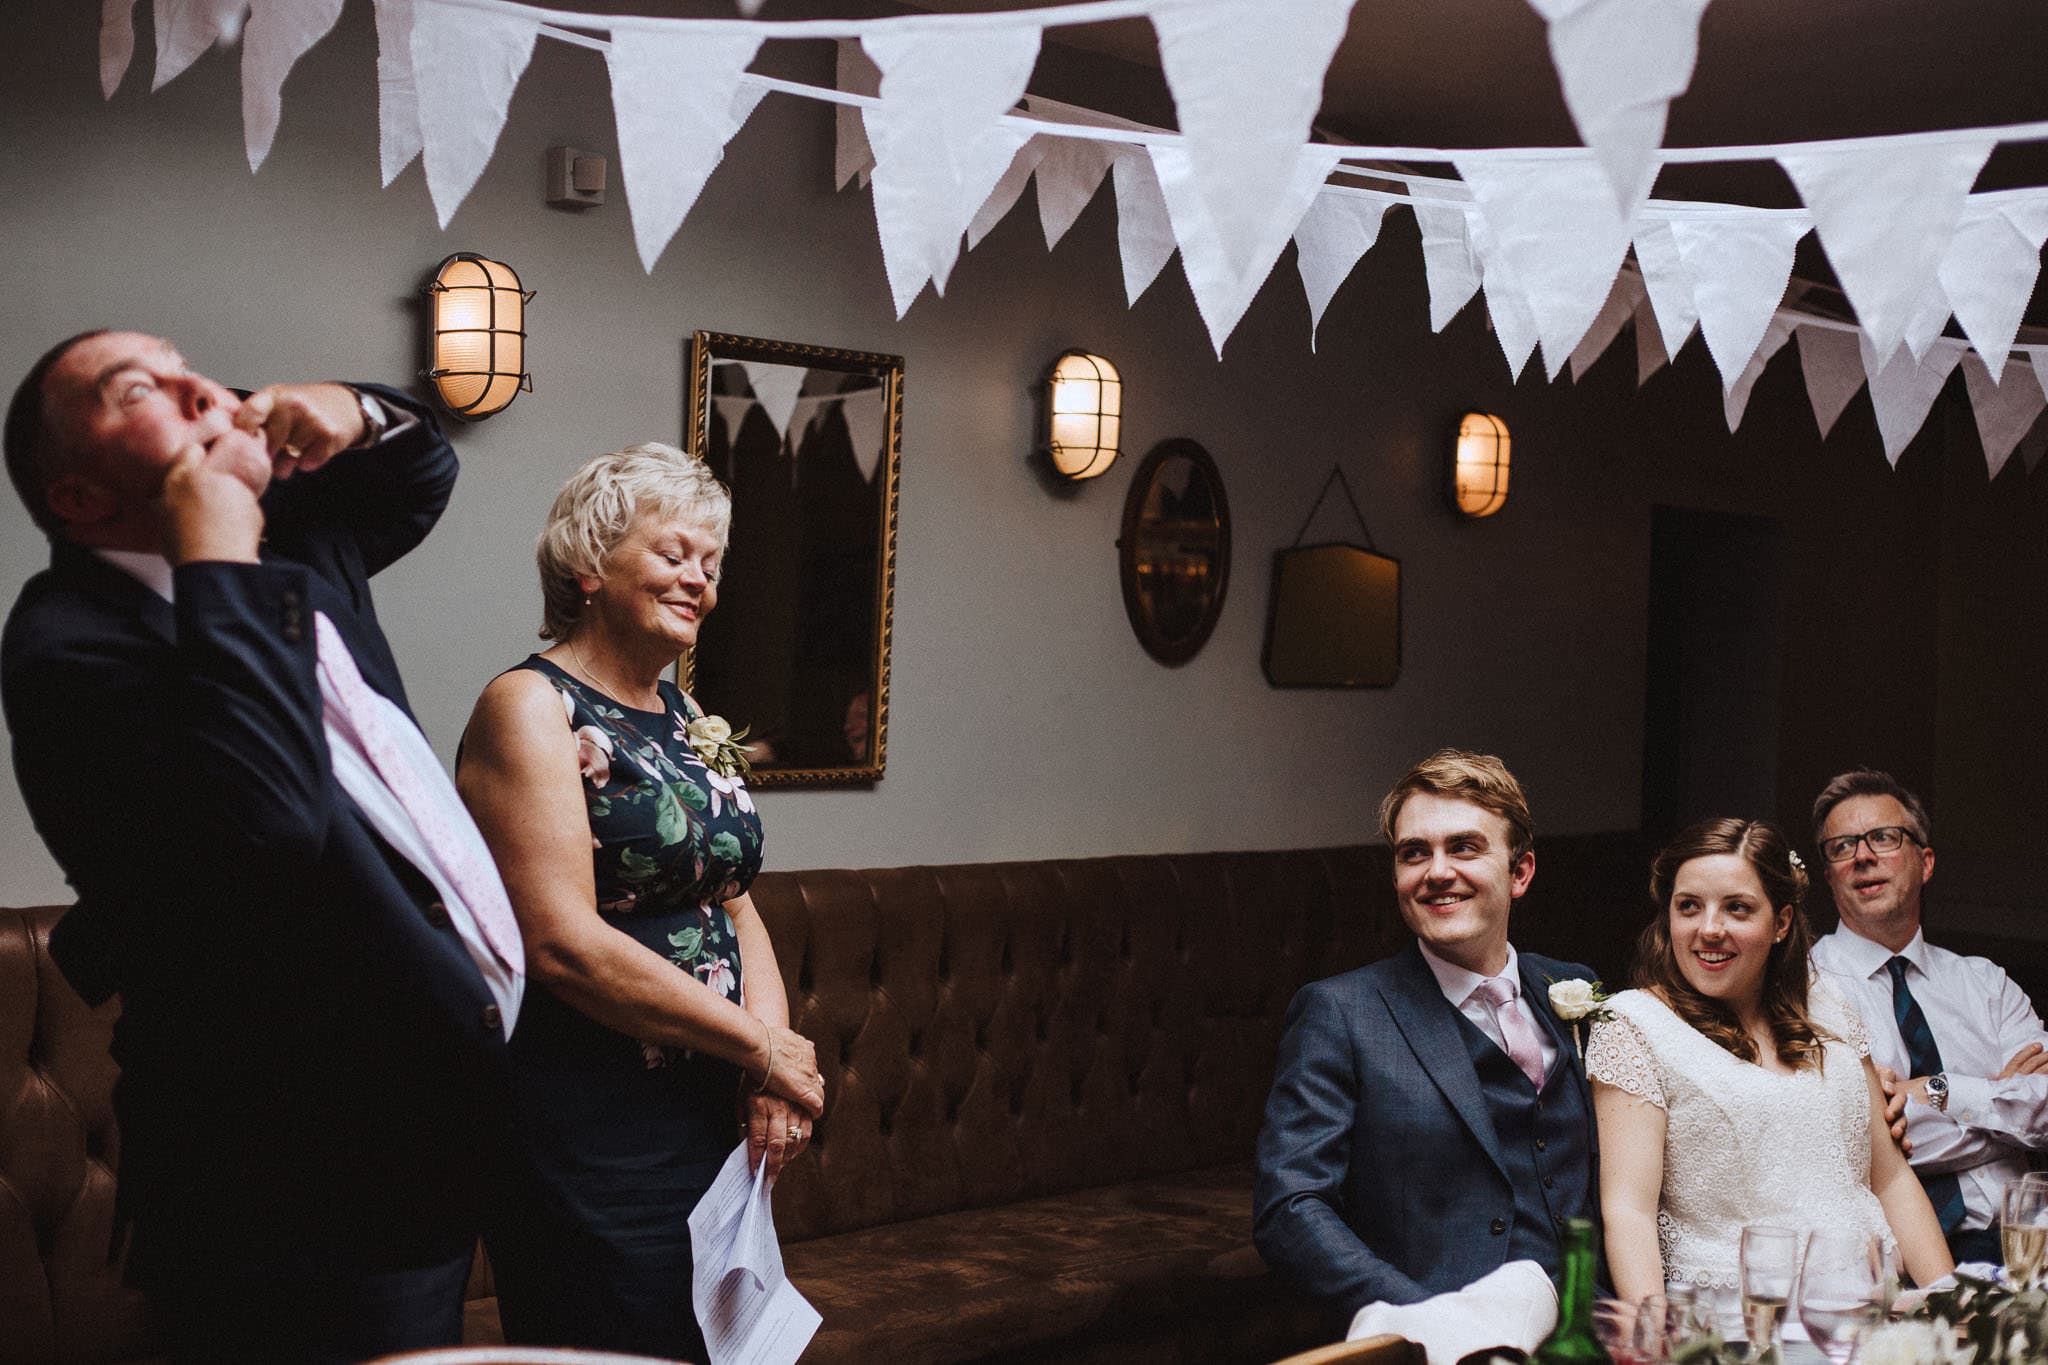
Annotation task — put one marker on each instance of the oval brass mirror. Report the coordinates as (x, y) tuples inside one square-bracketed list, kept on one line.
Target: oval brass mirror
[(1175, 550)]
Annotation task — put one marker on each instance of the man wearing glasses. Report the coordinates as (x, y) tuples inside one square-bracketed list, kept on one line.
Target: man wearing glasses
[(1968, 1040)]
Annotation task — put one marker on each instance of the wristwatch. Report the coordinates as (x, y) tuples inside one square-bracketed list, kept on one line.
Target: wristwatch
[(1937, 1092), (375, 420)]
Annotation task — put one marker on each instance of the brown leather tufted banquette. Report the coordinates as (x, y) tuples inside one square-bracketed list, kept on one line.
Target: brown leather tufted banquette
[(1044, 1082)]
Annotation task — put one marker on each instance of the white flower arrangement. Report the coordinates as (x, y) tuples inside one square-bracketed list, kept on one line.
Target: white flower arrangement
[(714, 741), (1579, 1002)]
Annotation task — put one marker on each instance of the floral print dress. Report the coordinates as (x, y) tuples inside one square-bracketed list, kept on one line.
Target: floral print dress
[(621, 1136)]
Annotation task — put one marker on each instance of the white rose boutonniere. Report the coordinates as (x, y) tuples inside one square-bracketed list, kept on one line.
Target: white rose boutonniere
[(1578, 1002), (714, 741)]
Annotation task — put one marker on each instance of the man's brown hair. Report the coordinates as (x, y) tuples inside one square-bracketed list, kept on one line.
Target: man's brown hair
[(1481, 779), (33, 443)]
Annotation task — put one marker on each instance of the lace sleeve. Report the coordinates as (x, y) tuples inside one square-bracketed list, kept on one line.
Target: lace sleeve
[(1619, 1055), (1832, 1010)]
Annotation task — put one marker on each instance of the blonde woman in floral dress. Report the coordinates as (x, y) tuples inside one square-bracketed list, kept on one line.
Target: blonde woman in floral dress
[(619, 815)]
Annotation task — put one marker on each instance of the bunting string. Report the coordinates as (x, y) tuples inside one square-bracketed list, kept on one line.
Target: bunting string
[(1566, 243)]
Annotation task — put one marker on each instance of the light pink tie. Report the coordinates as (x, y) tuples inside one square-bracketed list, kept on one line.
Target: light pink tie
[(1523, 1045), (458, 853)]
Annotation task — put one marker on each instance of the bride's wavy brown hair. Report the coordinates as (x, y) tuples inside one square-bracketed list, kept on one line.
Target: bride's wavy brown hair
[(1786, 972)]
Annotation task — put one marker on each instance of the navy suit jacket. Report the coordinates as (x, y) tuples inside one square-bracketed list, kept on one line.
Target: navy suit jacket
[(1379, 1173), (311, 1063)]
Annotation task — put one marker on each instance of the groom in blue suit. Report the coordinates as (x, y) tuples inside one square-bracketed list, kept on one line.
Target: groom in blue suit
[(1429, 1119)]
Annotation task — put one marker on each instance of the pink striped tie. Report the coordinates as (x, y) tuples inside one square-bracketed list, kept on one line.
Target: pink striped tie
[(1523, 1045), (459, 852)]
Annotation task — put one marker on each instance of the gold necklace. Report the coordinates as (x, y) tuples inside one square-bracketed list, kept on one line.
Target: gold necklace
[(591, 673)]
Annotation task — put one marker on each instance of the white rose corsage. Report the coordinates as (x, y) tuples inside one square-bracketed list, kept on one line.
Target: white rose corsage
[(1578, 1002), (714, 741)]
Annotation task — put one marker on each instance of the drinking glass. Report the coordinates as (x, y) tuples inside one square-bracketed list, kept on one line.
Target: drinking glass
[(2024, 1230), (1631, 1333), (1770, 1268), (1841, 1291)]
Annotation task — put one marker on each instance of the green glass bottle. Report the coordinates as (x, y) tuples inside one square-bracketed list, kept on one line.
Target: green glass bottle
[(1573, 1343)]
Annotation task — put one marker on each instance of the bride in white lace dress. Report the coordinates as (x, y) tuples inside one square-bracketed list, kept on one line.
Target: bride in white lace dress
[(1729, 1089)]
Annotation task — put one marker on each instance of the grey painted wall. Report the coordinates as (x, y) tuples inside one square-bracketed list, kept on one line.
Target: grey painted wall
[(1026, 722)]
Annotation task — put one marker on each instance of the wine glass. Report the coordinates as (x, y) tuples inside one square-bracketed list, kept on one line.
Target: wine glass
[(2024, 1231), (1841, 1290), (1770, 1268), (1631, 1333)]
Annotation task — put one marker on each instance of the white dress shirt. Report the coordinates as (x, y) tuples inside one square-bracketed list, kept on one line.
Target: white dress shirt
[(1979, 1019), (1460, 987)]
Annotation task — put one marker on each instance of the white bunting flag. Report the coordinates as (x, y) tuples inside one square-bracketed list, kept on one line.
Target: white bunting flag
[(1741, 264), (1926, 321), (732, 409), (2005, 412), (1991, 266), (186, 28), (117, 43), (1736, 401), (856, 75), (1621, 63), (1068, 176), (1242, 151), (1669, 284), (673, 97), (1614, 315), (1007, 192), (940, 145), (1447, 259), (398, 100), (465, 64), (1650, 355), (1224, 284), (2039, 355), (1555, 224), (1514, 325), (1902, 389), (278, 34), (1885, 212), (863, 412), (1144, 236), (776, 386), (1338, 229), (1832, 362)]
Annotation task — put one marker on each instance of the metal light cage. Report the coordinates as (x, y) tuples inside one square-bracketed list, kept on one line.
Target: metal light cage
[(1084, 399), (1479, 469), (479, 335)]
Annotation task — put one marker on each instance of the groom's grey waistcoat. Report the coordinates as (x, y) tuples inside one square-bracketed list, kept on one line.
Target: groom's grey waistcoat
[(1543, 1142)]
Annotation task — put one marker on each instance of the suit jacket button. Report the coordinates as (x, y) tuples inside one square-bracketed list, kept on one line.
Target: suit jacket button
[(1549, 1182), (492, 1018), (1542, 1144), (1500, 1226), (437, 915)]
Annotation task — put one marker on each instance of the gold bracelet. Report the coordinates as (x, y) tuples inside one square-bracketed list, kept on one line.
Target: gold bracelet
[(769, 1029)]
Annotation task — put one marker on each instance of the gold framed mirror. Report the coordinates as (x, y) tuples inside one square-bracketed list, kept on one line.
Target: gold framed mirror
[(808, 439)]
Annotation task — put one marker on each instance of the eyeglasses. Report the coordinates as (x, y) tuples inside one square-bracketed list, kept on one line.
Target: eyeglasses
[(1883, 839)]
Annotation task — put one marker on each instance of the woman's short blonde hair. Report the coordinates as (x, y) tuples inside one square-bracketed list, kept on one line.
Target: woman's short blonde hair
[(598, 506)]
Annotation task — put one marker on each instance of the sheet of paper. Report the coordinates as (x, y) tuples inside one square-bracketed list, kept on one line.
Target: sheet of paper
[(750, 1312)]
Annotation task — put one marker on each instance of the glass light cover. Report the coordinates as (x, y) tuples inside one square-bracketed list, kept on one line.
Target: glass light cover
[(1480, 478), (1085, 397), (479, 335)]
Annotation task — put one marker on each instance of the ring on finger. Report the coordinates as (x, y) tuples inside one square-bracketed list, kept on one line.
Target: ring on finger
[(795, 1134)]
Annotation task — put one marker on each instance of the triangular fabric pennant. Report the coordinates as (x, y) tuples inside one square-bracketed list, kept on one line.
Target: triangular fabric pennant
[(1514, 324), (1447, 259), (1926, 321), (465, 64), (1144, 234), (1832, 362), (1223, 284), (1069, 174), (1242, 151), (398, 99), (1007, 192), (1740, 264), (1337, 230), (186, 28), (1885, 212), (733, 409), (1615, 314), (1902, 389), (940, 145), (2039, 355), (1555, 224), (117, 43), (1992, 264), (1736, 401), (1650, 356), (2005, 412), (1668, 282), (1621, 63), (863, 413), (777, 387), (278, 34), (673, 93), (856, 75)]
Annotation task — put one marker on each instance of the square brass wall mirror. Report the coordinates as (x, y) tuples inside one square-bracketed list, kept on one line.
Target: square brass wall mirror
[(808, 438)]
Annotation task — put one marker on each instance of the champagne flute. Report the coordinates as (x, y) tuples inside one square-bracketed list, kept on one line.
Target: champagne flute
[(1841, 1291), (1770, 1268), (2024, 1231)]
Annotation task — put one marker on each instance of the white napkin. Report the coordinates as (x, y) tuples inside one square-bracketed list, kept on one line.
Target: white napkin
[(1513, 1306)]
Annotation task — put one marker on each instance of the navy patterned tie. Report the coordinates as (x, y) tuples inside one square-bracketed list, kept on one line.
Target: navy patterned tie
[(1923, 1055)]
